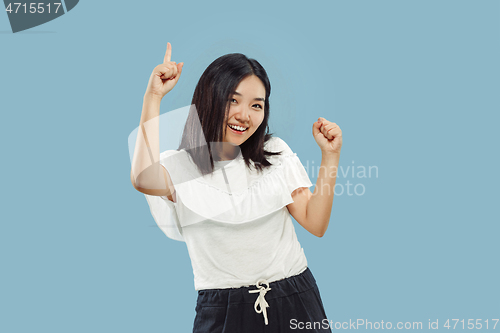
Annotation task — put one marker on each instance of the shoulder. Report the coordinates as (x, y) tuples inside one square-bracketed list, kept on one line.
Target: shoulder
[(168, 153), (177, 163), (277, 144), (174, 157)]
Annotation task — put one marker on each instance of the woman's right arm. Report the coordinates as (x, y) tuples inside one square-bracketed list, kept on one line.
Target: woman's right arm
[(148, 176)]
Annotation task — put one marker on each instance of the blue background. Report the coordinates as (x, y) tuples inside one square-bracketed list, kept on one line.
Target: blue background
[(414, 86)]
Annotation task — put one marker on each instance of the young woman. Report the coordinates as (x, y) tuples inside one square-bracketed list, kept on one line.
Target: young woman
[(229, 190)]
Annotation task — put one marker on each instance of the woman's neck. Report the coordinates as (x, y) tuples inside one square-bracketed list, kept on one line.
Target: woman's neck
[(226, 151)]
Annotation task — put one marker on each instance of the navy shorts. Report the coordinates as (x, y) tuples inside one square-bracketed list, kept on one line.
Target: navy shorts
[(294, 305)]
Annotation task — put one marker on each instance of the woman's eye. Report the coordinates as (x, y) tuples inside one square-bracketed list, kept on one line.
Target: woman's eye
[(258, 106), (233, 100)]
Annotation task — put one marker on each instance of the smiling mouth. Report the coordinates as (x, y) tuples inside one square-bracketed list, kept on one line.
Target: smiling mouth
[(238, 128)]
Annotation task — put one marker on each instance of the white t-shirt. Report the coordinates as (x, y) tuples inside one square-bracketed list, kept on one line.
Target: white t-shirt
[(235, 222)]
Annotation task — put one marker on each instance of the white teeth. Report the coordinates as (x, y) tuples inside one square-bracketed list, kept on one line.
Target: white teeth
[(238, 128)]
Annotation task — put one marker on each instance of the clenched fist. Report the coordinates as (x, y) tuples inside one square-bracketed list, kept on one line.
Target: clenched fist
[(328, 136)]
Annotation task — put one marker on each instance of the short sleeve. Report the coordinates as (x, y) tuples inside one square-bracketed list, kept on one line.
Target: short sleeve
[(163, 210), (295, 174)]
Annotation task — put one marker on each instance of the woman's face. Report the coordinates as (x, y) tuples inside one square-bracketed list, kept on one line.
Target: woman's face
[(246, 109)]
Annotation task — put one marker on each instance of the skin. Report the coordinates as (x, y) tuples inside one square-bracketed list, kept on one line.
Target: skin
[(246, 109), (312, 210), (147, 175)]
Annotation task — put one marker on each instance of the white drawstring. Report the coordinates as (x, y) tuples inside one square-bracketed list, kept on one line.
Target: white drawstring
[(261, 301)]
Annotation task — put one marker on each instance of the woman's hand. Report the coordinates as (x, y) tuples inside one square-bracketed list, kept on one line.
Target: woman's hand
[(164, 76), (328, 136)]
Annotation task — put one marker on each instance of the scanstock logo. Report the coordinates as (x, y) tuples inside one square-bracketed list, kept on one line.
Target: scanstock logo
[(26, 15)]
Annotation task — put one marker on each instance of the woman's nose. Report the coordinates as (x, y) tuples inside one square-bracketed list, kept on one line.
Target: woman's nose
[(242, 114)]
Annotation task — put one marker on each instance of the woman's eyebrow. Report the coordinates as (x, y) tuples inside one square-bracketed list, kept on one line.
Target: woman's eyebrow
[(255, 99)]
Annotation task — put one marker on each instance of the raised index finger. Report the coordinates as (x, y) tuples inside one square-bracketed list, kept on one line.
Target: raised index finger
[(168, 54)]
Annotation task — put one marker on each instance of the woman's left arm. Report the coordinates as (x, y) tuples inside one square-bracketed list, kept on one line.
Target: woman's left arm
[(313, 210)]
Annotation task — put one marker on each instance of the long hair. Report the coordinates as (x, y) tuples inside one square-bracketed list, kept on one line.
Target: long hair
[(211, 105)]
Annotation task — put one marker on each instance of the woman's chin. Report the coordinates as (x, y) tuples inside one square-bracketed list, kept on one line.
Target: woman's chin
[(235, 141)]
